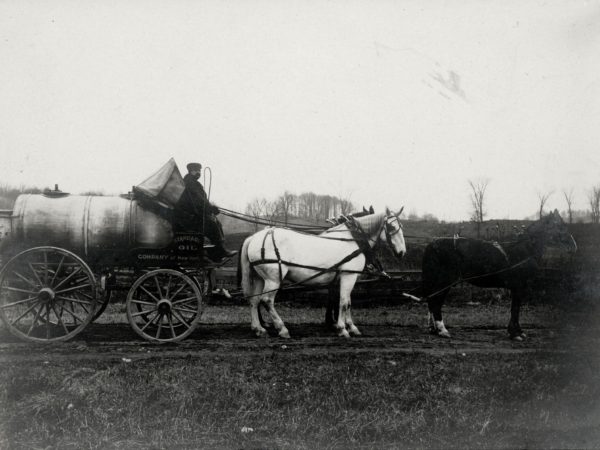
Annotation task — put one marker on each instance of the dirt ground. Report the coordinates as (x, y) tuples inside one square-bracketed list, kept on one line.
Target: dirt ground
[(224, 329)]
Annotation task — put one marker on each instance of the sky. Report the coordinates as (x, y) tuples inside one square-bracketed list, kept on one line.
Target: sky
[(386, 103)]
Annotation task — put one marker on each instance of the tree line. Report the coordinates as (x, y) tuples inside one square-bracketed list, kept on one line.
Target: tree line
[(308, 206)]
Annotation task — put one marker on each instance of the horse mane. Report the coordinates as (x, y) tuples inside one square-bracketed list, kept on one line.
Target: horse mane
[(370, 223)]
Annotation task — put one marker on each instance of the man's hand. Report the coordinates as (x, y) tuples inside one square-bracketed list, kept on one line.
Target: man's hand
[(214, 209)]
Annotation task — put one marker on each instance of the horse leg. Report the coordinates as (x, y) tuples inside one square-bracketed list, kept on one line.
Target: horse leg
[(436, 323), (268, 298), (332, 312), (255, 300), (514, 327), (347, 283)]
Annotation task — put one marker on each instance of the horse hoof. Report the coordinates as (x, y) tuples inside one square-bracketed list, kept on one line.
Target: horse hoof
[(284, 334), (261, 332), (355, 332), (518, 337), (344, 333), (444, 334)]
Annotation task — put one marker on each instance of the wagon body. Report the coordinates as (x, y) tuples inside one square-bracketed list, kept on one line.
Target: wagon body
[(104, 231), (62, 254)]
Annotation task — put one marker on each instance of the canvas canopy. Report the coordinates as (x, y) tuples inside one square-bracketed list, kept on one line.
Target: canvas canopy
[(165, 186)]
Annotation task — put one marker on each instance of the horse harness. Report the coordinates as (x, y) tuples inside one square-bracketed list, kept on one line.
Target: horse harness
[(358, 235)]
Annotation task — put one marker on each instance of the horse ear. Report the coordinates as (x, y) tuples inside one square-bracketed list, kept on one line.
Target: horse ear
[(387, 211), (371, 210), (365, 210), (400, 212)]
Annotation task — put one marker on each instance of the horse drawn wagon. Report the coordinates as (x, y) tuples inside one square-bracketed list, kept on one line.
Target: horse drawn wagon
[(63, 255)]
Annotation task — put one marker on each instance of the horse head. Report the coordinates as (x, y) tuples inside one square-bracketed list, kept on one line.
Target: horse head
[(553, 232), (392, 232)]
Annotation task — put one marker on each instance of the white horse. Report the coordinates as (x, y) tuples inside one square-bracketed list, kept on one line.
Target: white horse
[(275, 254)]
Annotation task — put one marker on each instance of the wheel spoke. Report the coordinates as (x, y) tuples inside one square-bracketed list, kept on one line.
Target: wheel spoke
[(14, 289), (168, 288), (149, 293), (72, 313), (141, 302), (25, 279), (74, 300), (47, 321), (192, 311), (88, 296), (68, 277), (149, 322), (35, 274), (74, 288), (57, 270), (178, 291), (27, 311), (58, 317), (35, 319), (9, 305), (157, 286), (78, 302), (178, 317), (46, 270), (171, 326), (184, 300), (157, 336), (144, 313)]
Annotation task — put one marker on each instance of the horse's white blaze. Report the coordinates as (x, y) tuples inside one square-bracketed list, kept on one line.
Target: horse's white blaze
[(313, 254)]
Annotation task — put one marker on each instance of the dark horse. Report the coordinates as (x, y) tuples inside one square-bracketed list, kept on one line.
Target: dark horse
[(448, 261)]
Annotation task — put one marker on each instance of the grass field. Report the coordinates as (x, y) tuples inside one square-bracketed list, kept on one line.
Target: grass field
[(266, 394)]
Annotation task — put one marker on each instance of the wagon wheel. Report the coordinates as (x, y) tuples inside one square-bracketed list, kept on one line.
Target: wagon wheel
[(164, 305), (47, 294)]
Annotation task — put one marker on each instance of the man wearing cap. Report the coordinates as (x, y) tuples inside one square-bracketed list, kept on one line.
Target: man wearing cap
[(195, 212)]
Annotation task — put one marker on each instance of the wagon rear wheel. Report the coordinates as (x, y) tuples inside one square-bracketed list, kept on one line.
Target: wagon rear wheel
[(47, 294), (164, 305)]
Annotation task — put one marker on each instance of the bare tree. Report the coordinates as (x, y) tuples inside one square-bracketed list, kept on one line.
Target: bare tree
[(346, 206), (594, 199), (271, 211), (543, 198), (285, 204), (257, 208), (478, 188), (569, 199)]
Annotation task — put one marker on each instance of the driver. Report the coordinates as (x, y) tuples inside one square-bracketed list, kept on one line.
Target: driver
[(195, 213)]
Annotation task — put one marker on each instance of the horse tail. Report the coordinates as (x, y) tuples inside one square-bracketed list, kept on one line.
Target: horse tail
[(244, 268)]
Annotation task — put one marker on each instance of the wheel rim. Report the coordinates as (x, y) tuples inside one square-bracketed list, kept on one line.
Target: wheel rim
[(47, 294), (164, 305)]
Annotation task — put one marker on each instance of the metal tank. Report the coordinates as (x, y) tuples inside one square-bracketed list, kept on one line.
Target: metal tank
[(107, 230)]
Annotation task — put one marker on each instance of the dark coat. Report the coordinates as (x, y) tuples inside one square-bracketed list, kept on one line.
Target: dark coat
[(193, 206)]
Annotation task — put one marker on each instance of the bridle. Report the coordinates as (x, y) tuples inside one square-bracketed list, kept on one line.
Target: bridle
[(390, 230)]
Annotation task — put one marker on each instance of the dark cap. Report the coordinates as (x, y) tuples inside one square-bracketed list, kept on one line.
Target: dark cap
[(194, 166)]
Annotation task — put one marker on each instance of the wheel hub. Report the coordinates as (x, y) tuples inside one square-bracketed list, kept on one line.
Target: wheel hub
[(164, 306), (46, 295)]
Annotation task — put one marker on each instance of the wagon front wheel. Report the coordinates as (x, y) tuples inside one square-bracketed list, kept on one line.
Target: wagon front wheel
[(47, 294), (164, 305)]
